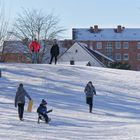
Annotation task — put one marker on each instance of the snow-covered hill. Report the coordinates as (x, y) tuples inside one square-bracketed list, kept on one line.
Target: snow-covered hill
[(116, 114)]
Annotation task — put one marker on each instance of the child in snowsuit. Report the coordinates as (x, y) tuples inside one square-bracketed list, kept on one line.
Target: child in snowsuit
[(42, 110)]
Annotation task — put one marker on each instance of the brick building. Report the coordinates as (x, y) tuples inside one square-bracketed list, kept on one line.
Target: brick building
[(120, 43)]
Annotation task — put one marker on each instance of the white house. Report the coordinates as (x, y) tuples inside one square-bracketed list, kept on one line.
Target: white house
[(79, 53)]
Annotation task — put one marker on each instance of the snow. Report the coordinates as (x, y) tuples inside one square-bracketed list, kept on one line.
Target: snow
[(128, 34), (116, 113), (81, 63)]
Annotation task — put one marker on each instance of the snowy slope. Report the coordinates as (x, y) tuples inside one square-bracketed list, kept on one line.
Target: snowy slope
[(116, 114)]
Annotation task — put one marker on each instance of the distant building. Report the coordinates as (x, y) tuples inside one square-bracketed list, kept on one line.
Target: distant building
[(18, 52), (120, 44), (80, 54), (15, 51)]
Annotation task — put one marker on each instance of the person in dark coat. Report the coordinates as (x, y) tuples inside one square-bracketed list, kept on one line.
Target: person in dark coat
[(54, 52), (20, 100), (90, 92), (42, 110)]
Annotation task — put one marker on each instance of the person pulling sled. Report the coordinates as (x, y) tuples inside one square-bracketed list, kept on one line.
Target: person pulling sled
[(42, 112)]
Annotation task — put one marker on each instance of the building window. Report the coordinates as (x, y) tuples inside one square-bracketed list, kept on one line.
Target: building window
[(118, 56), (109, 49), (138, 56), (99, 45), (138, 45), (125, 56), (125, 45), (138, 67), (118, 45)]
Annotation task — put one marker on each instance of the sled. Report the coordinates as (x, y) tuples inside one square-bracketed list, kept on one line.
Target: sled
[(30, 105), (41, 117)]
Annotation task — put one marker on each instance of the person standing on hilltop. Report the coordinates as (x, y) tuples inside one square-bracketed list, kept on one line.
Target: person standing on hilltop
[(34, 46), (54, 52)]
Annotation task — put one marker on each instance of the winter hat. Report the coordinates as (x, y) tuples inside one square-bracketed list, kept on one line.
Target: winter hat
[(44, 102), (90, 82), (21, 85)]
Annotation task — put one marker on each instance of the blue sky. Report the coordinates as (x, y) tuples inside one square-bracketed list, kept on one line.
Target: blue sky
[(82, 13)]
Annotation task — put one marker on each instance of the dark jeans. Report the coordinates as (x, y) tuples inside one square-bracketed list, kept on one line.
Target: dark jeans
[(52, 59), (21, 110), (89, 101), (35, 57)]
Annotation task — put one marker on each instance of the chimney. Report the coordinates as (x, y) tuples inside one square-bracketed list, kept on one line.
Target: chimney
[(119, 29), (91, 29), (96, 28)]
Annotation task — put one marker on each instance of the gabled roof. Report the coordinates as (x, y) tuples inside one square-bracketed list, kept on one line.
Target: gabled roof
[(94, 53), (106, 34)]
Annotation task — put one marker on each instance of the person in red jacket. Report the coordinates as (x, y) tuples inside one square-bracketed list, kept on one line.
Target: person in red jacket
[(34, 46)]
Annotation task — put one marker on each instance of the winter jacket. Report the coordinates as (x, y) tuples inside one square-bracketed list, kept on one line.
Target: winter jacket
[(55, 50), (20, 96), (90, 91), (34, 46), (42, 109)]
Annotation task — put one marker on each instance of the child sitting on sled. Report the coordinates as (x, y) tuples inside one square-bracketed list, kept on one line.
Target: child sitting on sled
[(42, 111)]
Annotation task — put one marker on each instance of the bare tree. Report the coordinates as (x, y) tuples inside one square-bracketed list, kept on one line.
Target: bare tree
[(3, 28), (34, 24)]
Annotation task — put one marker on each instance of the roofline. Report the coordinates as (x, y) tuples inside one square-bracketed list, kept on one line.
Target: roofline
[(135, 28), (103, 55), (88, 53), (100, 40), (91, 54)]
